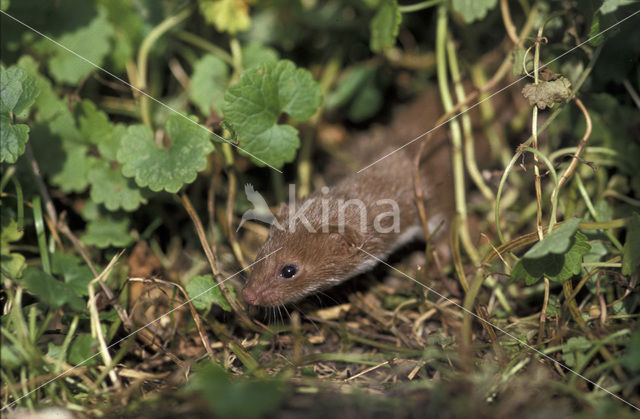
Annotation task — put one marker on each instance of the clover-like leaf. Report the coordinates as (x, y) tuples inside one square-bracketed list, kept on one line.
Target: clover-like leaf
[(204, 291), (471, 10), (631, 360), (165, 168), (75, 169), (111, 188), (558, 261), (208, 83), (574, 351), (108, 231), (384, 25), (254, 54), (18, 90), (12, 263), (76, 275), (254, 104), (95, 128), (556, 242), (91, 42), (227, 15), (82, 350), (13, 139), (49, 290), (11, 357)]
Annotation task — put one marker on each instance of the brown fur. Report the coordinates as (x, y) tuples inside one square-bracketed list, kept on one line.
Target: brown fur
[(327, 258)]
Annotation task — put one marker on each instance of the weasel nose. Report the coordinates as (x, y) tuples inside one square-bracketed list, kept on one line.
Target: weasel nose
[(249, 296)]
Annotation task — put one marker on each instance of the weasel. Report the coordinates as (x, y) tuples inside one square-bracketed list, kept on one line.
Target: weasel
[(335, 237)]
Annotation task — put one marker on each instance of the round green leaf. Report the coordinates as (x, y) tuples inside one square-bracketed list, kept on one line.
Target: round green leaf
[(254, 104), (110, 188), (91, 42), (384, 25), (18, 90), (473, 9), (82, 350), (204, 291), (208, 83), (108, 231), (165, 168), (13, 139)]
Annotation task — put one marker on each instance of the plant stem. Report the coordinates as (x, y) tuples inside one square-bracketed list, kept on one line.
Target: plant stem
[(408, 8), (204, 44), (143, 58), (456, 137)]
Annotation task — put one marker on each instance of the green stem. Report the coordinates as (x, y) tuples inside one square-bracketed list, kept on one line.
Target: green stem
[(592, 210), (143, 58), (467, 130), (20, 203), (202, 43), (408, 8), (41, 233), (456, 135), (236, 54), (591, 150), (6, 176), (554, 176)]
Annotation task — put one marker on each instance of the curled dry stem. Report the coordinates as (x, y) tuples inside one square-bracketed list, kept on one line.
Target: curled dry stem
[(508, 23), (564, 177), (194, 313)]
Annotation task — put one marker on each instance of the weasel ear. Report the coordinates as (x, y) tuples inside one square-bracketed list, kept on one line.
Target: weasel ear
[(346, 237)]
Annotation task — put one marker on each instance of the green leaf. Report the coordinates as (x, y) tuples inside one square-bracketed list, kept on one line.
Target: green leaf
[(82, 350), (227, 397), (55, 351), (77, 276), (165, 168), (631, 360), (631, 249), (11, 358), (108, 231), (384, 25), (520, 55), (227, 15), (556, 242), (254, 104), (558, 259), (207, 292), (111, 188), (4, 5), (13, 139), (49, 290), (349, 86), (12, 264), (208, 84), (574, 351), (366, 103), (73, 176), (471, 10), (91, 42), (18, 90), (255, 54), (95, 127)]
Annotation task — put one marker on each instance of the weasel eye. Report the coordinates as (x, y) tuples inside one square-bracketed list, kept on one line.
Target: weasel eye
[(289, 271)]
